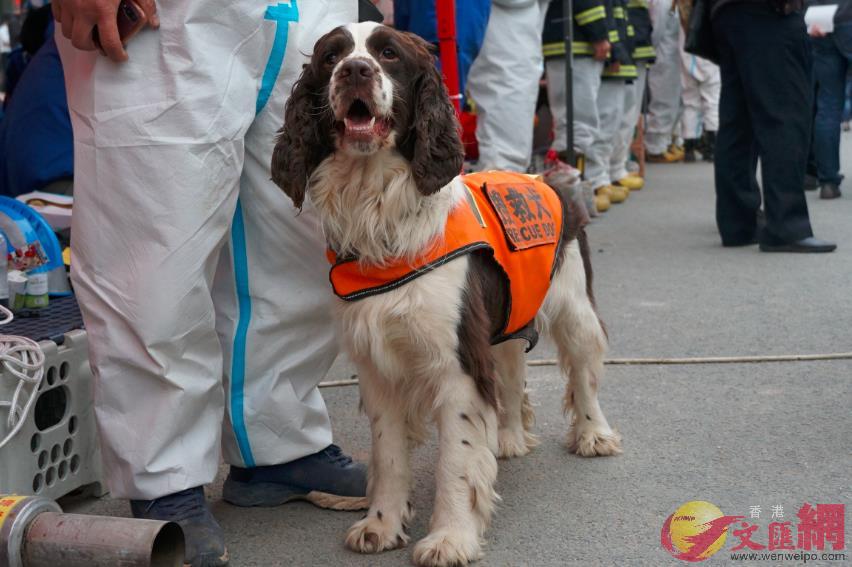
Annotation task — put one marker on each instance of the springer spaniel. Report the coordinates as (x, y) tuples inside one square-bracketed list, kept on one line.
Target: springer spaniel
[(371, 137)]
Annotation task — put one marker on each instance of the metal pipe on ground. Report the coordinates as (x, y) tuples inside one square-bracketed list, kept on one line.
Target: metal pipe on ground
[(34, 532)]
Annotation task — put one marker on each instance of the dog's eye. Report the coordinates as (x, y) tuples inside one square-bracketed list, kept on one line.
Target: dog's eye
[(330, 58), (389, 53)]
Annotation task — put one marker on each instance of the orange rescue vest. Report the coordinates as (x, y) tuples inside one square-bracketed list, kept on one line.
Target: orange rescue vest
[(515, 218)]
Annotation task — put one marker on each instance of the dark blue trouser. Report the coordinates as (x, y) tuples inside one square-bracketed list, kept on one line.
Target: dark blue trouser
[(832, 57), (765, 113)]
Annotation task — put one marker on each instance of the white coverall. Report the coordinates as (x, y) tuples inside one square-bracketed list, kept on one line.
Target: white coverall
[(204, 294), (702, 85), (663, 77), (586, 80), (630, 117), (504, 82), (611, 98)]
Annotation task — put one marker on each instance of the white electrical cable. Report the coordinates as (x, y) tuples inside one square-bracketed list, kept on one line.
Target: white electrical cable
[(23, 359)]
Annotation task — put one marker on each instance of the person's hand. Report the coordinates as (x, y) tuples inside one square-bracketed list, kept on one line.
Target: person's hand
[(602, 49), (79, 17), (815, 31), (613, 67)]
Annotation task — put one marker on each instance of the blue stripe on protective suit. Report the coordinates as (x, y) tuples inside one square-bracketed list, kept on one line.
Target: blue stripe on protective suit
[(418, 16), (282, 15)]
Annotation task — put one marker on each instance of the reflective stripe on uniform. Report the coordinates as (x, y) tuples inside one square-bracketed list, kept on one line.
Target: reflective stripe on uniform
[(590, 15), (613, 36), (644, 52), (624, 72)]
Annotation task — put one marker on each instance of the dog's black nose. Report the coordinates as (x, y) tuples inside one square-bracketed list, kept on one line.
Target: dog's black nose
[(356, 70)]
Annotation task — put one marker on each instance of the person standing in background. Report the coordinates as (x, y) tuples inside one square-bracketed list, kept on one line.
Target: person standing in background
[(663, 84), (765, 116), (643, 56), (591, 49), (700, 84), (504, 81), (832, 58), (616, 84)]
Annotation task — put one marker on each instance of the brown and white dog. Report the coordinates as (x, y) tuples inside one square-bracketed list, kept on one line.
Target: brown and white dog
[(371, 137)]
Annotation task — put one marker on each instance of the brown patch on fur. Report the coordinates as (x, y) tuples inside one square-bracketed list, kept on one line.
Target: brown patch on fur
[(305, 138), (477, 326), (586, 255), (432, 140)]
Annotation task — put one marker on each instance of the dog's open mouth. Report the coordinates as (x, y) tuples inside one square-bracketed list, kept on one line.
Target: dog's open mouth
[(361, 124)]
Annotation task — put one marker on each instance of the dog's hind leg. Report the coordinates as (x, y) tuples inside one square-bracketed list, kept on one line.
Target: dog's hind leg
[(465, 476), (389, 475), (516, 414), (572, 322)]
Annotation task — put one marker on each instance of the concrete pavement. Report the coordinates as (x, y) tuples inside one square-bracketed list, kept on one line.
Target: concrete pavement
[(736, 435)]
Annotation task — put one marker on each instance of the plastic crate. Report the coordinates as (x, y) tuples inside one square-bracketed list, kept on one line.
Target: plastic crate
[(56, 451)]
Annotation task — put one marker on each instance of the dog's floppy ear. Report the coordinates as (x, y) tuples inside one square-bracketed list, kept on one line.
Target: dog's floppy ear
[(434, 142), (305, 139)]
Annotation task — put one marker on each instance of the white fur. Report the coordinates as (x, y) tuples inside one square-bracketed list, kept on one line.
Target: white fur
[(370, 207), (384, 85)]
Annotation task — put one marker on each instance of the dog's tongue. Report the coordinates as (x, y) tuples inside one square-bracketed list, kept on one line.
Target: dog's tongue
[(360, 124)]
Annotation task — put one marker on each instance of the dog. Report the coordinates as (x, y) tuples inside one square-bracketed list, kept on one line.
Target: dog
[(371, 137)]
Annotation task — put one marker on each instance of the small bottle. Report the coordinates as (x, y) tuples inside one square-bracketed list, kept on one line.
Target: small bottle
[(37, 297)]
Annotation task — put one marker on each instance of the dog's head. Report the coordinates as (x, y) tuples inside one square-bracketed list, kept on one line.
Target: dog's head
[(366, 89)]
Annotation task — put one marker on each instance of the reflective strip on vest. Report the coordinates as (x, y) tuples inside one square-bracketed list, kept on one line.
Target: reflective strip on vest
[(613, 36), (638, 4), (618, 12)]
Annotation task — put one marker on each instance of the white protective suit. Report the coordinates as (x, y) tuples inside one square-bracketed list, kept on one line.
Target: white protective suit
[(586, 79), (504, 82), (204, 294), (701, 82), (611, 98), (663, 77), (633, 96)]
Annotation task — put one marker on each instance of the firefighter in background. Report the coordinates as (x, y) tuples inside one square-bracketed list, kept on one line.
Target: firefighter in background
[(663, 84), (591, 51), (639, 22), (617, 78)]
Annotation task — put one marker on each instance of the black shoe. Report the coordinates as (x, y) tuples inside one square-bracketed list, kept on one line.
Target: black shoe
[(811, 182), (328, 479), (829, 191), (204, 540), (689, 147), (805, 245)]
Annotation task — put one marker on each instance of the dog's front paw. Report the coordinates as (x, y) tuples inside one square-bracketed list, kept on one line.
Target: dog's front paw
[(594, 441), (514, 442), (445, 548), (373, 534)]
